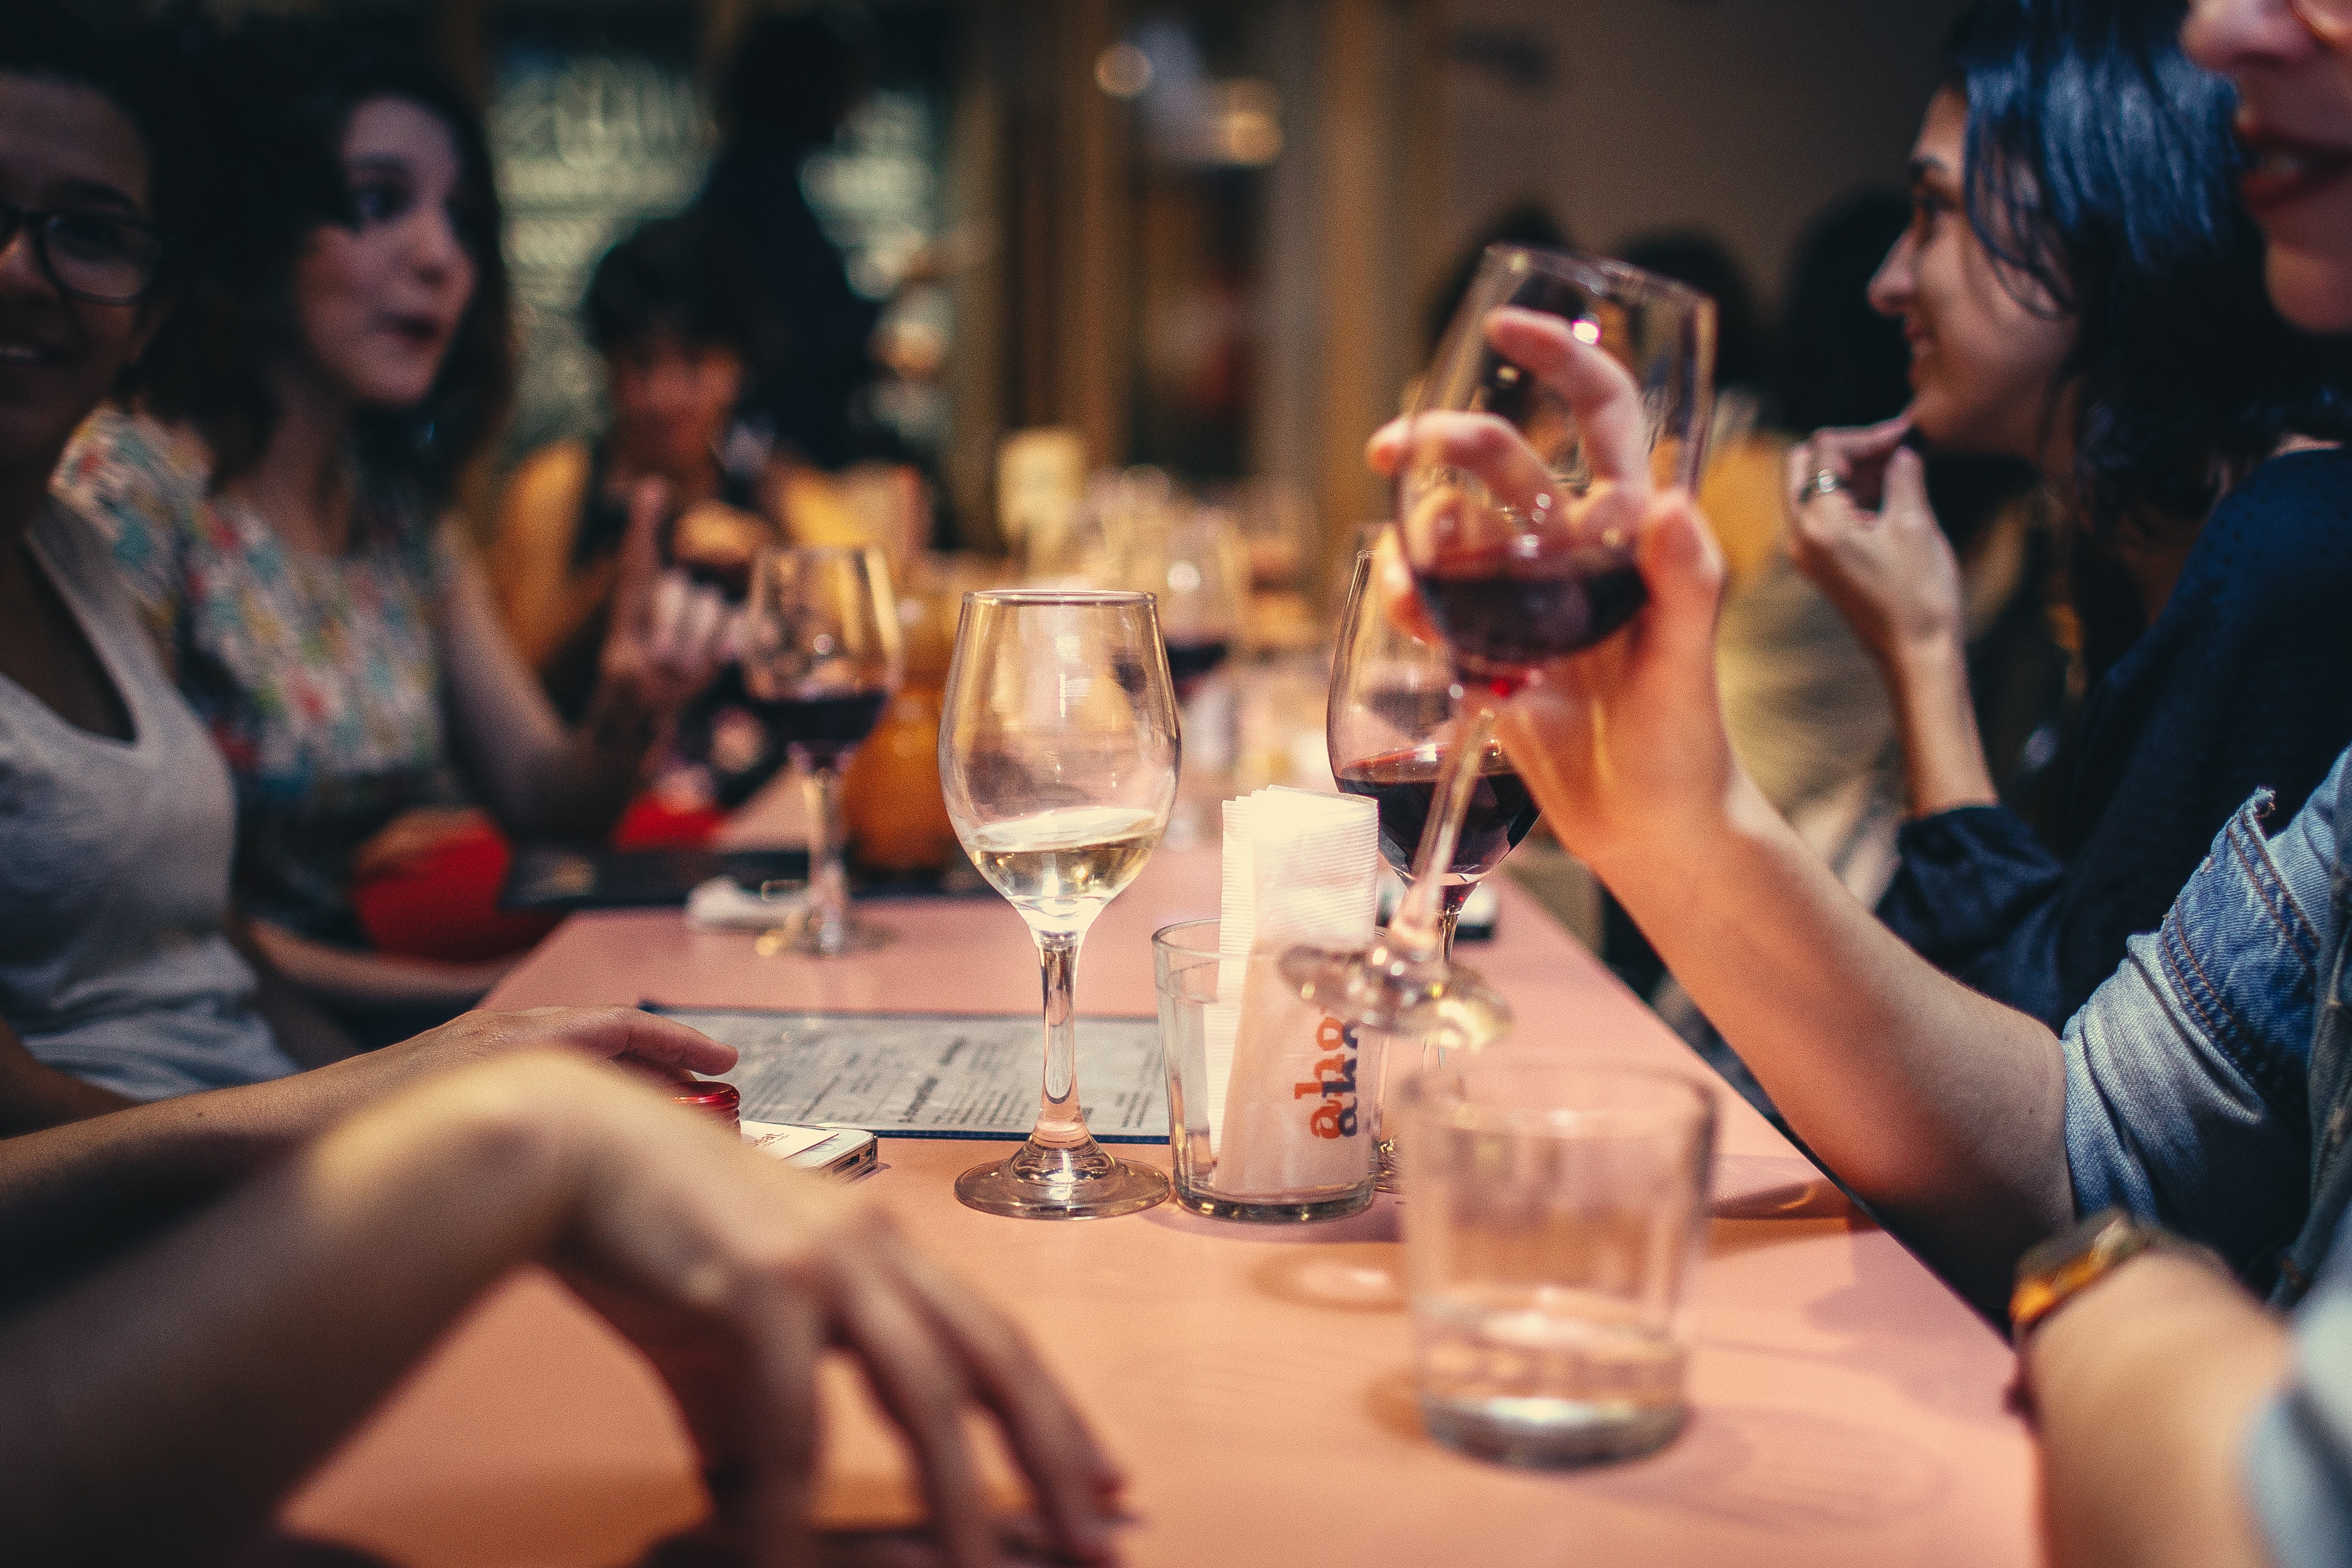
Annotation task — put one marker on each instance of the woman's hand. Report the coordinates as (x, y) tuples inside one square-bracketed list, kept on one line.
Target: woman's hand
[(1891, 574), (1888, 569), (670, 635), (1623, 744), (734, 1274), (660, 1049)]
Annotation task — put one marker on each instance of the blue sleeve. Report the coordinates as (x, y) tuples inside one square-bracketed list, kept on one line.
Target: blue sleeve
[(1975, 894), (2298, 1461), (2185, 1072)]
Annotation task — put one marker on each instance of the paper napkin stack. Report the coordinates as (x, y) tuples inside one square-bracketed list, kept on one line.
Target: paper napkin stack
[(1284, 1110)]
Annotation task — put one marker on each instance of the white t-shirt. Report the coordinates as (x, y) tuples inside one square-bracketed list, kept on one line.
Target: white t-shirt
[(114, 865)]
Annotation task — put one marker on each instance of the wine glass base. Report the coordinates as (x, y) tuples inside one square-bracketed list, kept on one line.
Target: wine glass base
[(1106, 1188), (1448, 1005), (803, 932)]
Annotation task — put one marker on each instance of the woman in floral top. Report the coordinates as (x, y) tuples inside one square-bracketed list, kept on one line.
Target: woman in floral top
[(275, 497)]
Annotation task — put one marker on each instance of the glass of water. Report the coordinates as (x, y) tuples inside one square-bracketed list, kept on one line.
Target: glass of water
[(1057, 757), (1557, 1216)]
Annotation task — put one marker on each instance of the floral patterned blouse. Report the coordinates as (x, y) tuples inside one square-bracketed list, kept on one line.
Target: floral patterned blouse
[(320, 679)]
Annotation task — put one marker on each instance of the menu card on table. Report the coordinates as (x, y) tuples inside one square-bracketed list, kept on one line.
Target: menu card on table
[(933, 1075)]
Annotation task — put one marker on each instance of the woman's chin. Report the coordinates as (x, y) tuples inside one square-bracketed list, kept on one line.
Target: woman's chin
[(2312, 289)]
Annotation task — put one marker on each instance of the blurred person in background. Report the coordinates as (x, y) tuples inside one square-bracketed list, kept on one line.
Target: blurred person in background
[(796, 77), (2093, 304), (671, 318), (275, 491)]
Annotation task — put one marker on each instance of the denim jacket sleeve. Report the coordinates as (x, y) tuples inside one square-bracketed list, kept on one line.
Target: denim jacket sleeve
[(2185, 1072), (2296, 1464)]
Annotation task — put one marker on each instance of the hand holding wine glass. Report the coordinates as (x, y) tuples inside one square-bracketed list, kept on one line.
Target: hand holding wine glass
[(1057, 758), (820, 657), (1566, 393)]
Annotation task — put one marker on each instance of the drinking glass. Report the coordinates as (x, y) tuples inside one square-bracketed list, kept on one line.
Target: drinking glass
[(1194, 568), (1566, 390), (1057, 756), (1555, 1224), (820, 657)]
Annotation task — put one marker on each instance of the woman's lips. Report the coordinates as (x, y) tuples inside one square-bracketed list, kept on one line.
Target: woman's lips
[(2285, 171)]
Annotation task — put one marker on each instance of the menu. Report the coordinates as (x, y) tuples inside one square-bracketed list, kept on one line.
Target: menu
[(934, 1075)]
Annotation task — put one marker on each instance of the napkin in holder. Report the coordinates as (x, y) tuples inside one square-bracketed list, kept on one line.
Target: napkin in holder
[(1289, 1108)]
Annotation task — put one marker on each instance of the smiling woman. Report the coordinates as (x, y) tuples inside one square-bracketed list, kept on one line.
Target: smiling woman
[(275, 492)]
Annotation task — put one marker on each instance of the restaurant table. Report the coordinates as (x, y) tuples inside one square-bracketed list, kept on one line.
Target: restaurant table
[(1253, 1380)]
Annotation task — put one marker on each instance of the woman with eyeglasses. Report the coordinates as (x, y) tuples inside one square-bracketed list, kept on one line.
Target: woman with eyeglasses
[(277, 491)]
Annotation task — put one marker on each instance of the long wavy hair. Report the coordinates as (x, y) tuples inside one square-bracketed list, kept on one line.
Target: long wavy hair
[(2102, 179), (279, 96)]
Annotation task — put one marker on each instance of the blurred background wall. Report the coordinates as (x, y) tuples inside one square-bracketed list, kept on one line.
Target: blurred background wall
[(1206, 234)]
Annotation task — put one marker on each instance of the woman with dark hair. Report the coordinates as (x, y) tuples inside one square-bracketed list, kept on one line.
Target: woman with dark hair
[(275, 495), (671, 316), (2080, 289)]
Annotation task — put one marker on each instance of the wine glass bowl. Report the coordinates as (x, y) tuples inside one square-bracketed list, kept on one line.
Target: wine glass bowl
[(821, 656), (1565, 392), (1057, 759)]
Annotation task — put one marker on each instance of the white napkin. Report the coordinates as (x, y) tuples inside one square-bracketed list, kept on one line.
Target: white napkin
[(724, 904), (1282, 1079)]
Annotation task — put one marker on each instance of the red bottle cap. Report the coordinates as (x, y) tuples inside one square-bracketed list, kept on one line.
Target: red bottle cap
[(720, 1100)]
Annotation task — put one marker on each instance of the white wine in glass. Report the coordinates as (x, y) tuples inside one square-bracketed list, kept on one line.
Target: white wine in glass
[(1057, 756)]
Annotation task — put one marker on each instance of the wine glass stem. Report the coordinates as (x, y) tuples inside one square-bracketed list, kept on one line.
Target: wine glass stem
[(1423, 928), (828, 878), (1450, 912), (1061, 1121)]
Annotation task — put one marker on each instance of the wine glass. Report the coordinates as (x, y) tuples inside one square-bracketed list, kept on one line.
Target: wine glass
[(1565, 391), (1195, 570), (1057, 756), (820, 657), (1391, 725)]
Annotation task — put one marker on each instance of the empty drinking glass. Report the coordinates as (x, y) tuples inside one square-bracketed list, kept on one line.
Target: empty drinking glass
[(1556, 1216)]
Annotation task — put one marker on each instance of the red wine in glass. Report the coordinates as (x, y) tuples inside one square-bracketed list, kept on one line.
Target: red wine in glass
[(827, 728), (1189, 662), (1403, 784), (1499, 625)]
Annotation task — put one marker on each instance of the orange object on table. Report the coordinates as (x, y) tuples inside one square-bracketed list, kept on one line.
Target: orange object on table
[(1253, 1380)]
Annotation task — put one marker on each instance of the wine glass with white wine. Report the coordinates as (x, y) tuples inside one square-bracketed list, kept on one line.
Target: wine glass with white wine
[(1057, 756)]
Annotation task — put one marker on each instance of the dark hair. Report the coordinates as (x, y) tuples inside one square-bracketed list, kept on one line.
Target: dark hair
[(1701, 261), (1841, 362), (130, 68), (674, 276), (2101, 177), (279, 96), (796, 76)]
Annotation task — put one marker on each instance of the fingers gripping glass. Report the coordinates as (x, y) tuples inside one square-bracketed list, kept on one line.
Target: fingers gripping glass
[(1567, 390), (2329, 20), (97, 257)]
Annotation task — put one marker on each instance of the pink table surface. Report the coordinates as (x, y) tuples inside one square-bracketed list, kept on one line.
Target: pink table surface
[(1253, 1380)]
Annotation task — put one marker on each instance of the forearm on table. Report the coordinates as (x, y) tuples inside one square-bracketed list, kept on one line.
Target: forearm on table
[(1943, 756), (2145, 1387), (1943, 1109), (282, 1316), (74, 1194)]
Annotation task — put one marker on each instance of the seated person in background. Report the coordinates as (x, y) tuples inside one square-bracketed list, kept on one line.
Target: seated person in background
[(673, 322), (2206, 1086), (2093, 303), (275, 496)]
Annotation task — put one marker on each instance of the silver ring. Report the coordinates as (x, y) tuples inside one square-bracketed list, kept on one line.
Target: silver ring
[(1825, 482)]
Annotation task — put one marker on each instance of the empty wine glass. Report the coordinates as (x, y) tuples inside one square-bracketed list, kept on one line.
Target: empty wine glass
[(1565, 391), (820, 657), (1057, 756)]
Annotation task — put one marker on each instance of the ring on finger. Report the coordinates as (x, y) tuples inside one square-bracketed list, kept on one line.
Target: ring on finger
[(1825, 482)]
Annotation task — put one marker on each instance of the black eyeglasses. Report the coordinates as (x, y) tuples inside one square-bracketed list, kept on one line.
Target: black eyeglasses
[(97, 257)]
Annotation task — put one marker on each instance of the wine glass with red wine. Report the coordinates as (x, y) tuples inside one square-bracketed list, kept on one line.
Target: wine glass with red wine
[(1391, 724), (820, 657), (1566, 392)]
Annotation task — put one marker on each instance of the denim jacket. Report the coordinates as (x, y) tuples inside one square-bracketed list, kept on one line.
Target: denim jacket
[(2209, 1085), (2197, 1090)]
